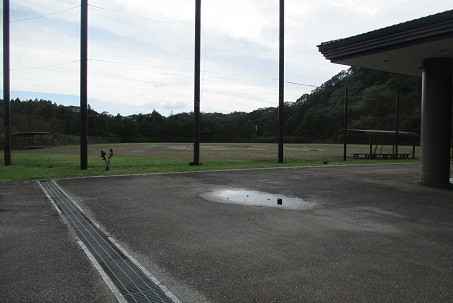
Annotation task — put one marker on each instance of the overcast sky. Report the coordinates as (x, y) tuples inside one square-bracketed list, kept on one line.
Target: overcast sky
[(141, 52)]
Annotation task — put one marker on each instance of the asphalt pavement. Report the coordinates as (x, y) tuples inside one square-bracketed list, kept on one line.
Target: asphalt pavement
[(40, 258), (373, 234)]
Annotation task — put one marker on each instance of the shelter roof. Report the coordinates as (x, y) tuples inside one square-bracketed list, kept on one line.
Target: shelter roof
[(30, 134), (399, 48), (384, 133)]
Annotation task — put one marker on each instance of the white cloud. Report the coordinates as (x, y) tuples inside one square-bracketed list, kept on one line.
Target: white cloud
[(366, 7), (141, 64)]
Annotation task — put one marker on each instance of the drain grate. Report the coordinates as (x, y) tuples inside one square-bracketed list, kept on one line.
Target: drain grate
[(133, 284)]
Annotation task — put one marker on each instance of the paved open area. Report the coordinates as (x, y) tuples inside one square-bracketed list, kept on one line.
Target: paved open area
[(373, 234)]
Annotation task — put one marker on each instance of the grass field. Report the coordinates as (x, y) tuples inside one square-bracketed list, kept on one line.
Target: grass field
[(63, 162)]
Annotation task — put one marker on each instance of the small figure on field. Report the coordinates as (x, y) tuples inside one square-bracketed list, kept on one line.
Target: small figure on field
[(107, 160)]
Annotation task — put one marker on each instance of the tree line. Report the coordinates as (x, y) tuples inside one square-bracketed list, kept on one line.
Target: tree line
[(314, 117)]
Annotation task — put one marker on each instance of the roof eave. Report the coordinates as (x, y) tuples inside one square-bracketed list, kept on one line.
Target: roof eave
[(363, 45)]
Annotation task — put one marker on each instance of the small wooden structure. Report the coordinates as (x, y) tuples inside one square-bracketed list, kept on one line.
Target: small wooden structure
[(29, 140), (386, 137)]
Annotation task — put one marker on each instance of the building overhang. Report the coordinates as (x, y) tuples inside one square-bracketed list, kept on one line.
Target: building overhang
[(401, 48)]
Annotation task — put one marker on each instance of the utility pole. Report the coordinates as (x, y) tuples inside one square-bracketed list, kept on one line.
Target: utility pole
[(6, 85), (196, 124), (84, 86), (281, 80)]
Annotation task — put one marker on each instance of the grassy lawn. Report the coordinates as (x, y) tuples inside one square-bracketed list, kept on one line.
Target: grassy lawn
[(63, 162)]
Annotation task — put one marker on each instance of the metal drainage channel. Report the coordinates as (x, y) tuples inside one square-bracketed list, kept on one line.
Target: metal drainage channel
[(133, 284)]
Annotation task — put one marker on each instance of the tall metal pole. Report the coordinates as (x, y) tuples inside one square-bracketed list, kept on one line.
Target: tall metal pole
[(196, 125), (6, 85), (281, 79), (397, 126), (345, 123), (84, 86)]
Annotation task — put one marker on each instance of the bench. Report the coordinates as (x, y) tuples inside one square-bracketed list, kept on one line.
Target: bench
[(357, 156), (30, 147), (382, 156)]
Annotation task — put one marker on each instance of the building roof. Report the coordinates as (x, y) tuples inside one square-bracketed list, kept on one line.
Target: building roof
[(399, 48)]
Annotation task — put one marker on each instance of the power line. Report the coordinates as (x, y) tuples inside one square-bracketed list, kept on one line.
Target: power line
[(159, 66), (259, 77), (205, 71), (156, 41), (139, 64), (136, 15), (301, 84), (204, 68), (44, 16), (45, 66)]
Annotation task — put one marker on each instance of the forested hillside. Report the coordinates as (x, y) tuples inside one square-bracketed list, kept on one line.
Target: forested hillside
[(319, 116), (314, 117)]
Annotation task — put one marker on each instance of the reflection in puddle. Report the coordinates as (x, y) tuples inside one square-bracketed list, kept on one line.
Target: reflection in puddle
[(256, 198)]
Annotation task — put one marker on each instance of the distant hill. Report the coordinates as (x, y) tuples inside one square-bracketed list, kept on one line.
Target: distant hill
[(314, 117), (319, 116)]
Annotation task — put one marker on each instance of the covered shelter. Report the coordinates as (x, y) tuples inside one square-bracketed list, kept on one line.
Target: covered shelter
[(29, 140), (421, 48), (386, 137)]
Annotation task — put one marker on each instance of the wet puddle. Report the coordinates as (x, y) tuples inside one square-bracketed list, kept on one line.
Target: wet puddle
[(256, 198)]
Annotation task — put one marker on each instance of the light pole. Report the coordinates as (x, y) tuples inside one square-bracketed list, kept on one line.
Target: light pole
[(84, 86), (6, 84), (196, 125), (281, 80)]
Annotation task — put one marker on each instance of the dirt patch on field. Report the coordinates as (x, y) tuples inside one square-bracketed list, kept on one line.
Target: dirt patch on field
[(225, 151)]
